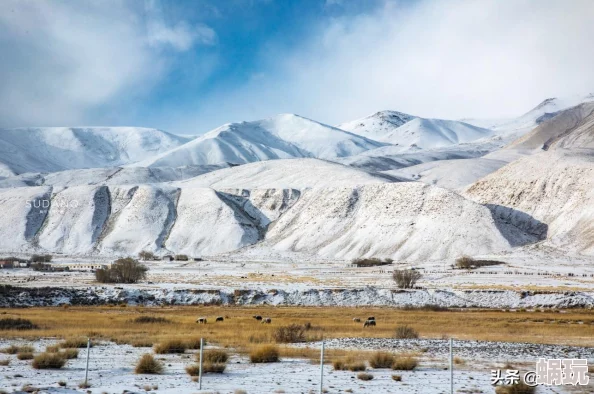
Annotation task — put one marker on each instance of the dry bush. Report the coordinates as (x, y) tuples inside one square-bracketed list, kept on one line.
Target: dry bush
[(348, 364), (53, 348), (364, 376), (14, 349), (216, 356), (193, 370), (4, 362), (467, 262), (397, 378), (25, 356), (406, 279), (371, 262), (75, 343), (151, 319), (264, 354), (69, 354), (356, 366), (293, 333), (48, 361), (171, 346), (148, 365), (193, 343), (405, 332), (208, 367), (519, 388), (459, 361), (16, 324), (381, 360), (126, 270), (405, 364), (144, 342)]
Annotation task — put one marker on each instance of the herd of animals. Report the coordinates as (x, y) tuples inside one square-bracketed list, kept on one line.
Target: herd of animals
[(370, 322)]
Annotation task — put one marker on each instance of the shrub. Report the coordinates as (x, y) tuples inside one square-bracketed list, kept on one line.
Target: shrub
[(264, 354), (52, 348), (146, 255), (48, 361), (14, 349), (25, 356), (406, 279), (193, 370), (356, 366), (193, 343), (364, 376), (151, 319), (467, 262), (41, 258), (181, 257), (148, 365), (381, 360), (349, 364), (405, 364), (459, 361), (74, 343), (125, 270), (215, 356), (405, 332), (171, 346), (519, 388), (69, 354), (397, 378), (371, 262), (4, 362), (293, 333), (16, 324), (213, 367), (338, 365)]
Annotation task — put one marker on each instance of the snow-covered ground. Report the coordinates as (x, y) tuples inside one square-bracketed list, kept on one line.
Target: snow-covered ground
[(111, 370)]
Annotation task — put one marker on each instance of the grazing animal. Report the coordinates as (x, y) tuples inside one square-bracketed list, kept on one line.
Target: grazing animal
[(220, 318), (201, 320), (257, 317), (369, 323), (266, 320), (356, 320), (371, 318)]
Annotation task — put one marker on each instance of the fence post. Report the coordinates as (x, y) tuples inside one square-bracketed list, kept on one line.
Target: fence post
[(322, 369), (451, 365), (200, 371), (88, 356)]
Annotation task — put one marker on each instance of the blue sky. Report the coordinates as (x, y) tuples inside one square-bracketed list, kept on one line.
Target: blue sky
[(189, 66)]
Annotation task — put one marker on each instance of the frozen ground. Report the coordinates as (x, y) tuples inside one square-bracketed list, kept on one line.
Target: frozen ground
[(111, 371)]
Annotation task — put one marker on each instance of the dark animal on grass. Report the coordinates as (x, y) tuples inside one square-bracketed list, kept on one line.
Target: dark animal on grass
[(220, 318), (356, 320), (257, 317), (266, 320), (371, 318), (369, 323), (201, 320)]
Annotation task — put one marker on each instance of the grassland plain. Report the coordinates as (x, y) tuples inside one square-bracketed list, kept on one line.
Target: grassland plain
[(242, 332)]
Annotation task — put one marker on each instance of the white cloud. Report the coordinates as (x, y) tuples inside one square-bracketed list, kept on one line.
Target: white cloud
[(63, 60), (451, 59)]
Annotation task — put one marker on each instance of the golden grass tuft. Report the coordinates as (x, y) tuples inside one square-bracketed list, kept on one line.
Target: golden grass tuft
[(14, 349), (148, 365), (171, 346), (364, 376), (264, 354), (214, 356), (381, 360), (48, 361), (4, 362), (74, 343), (69, 354), (397, 378), (25, 356), (405, 363)]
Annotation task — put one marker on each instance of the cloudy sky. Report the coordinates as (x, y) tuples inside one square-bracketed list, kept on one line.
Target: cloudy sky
[(189, 66)]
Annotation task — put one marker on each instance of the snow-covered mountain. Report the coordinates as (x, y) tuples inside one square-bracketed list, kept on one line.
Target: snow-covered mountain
[(281, 137), (49, 149), (377, 125), (411, 133)]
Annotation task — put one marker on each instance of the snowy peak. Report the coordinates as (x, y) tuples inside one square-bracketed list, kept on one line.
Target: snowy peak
[(377, 125), (48, 149), (281, 137)]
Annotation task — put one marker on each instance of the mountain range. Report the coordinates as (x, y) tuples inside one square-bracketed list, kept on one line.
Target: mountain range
[(387, 185)]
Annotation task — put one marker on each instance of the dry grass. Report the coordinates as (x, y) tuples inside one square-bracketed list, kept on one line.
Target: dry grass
[(364, 376), (397, 378), (14, 349), (405, 332), (48, 361), (171, 346), (405, 364), (216, 356), (4, 362), (265, 354), (69, 354), (381, 360), (213, 367), (148, 365), (105, 323), (520, 388), (25, 356), (74, 343)]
